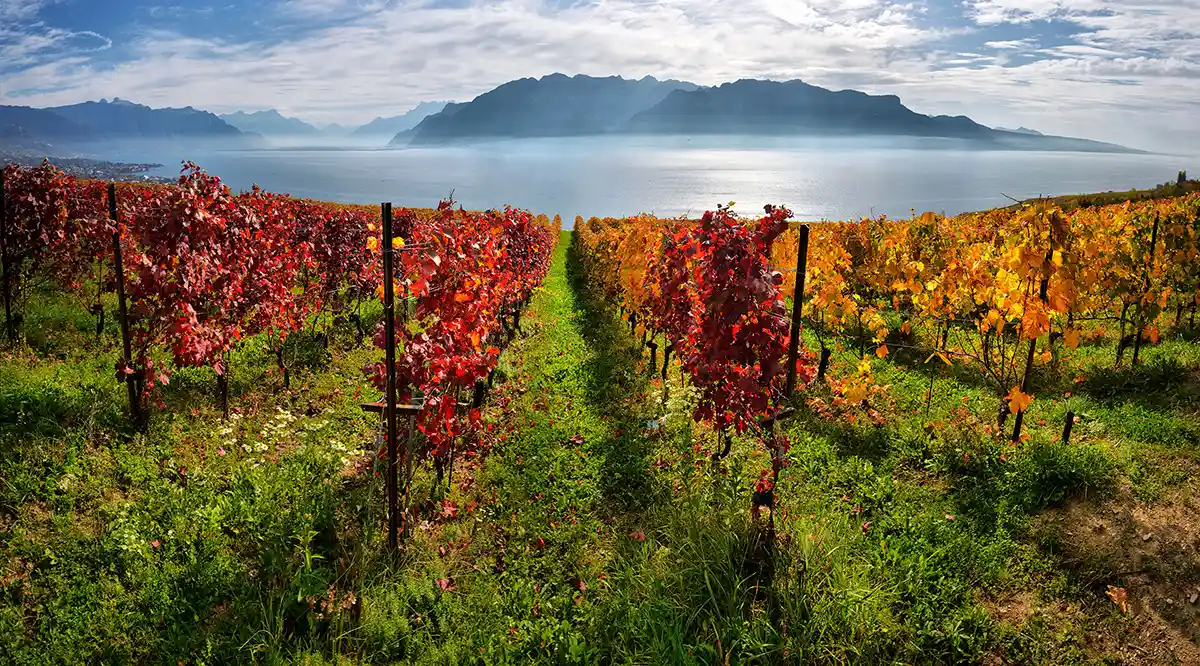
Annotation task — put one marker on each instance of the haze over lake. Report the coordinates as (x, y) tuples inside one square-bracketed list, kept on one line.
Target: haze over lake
[(817, 179)]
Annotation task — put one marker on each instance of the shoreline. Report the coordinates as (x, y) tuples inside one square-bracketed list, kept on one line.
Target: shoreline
[(84, 167)]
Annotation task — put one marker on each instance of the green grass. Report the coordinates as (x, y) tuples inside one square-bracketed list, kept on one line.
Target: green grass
[(1164, 191), (596, 530)]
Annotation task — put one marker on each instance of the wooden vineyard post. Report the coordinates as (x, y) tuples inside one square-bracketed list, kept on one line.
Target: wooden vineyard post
[(410, 411), (1042, 294), (8, 316), (100, 302), (1070, 423), (1121, 335), (1141, 323), (1192, 316), (823, 365), (797, 306), (223, 386), (479, 394), (131, 381), (389, 329)]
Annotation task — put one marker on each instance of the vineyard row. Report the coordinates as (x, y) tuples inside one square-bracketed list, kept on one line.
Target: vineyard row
[(998, 292), (198, 268)]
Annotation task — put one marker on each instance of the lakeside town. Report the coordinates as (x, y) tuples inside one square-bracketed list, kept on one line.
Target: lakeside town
[(84, 167)]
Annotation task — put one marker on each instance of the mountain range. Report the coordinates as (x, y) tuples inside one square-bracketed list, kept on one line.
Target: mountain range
[(386, 128), (557, 105), (108, 120), (554, 105), (66, 129), (269, 123)]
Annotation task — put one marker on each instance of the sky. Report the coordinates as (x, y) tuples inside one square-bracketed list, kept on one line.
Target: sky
[(1115, 70)]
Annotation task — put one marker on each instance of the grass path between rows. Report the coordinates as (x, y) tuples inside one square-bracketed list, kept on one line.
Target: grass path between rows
[(605, 535), (563, 491)]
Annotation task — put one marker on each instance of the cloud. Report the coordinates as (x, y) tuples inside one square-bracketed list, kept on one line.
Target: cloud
[(23, 48), (325, 9), (989, 12), (1065, 66), (1010, 44), (19, 10), (1112, 48), (25, 42)]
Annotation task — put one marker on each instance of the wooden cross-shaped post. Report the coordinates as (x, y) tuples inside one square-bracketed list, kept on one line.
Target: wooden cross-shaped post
[(410, 411)]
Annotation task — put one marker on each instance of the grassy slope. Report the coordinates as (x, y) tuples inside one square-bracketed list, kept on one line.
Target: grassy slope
[(1164, 191), (597, 530), (971, 523)]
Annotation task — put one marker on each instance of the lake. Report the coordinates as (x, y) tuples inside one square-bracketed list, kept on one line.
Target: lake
[(817, 179)]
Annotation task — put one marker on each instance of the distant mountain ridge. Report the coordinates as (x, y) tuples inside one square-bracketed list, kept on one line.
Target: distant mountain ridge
[(334, 129), (1019, 130), (67, 129), (69, 126), (389, 127), (123, 119), (559, 105), (269, 123), (39, 125), (555, 105)]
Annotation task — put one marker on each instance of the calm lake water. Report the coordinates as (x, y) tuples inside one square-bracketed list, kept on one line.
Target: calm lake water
[(669, 176)]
